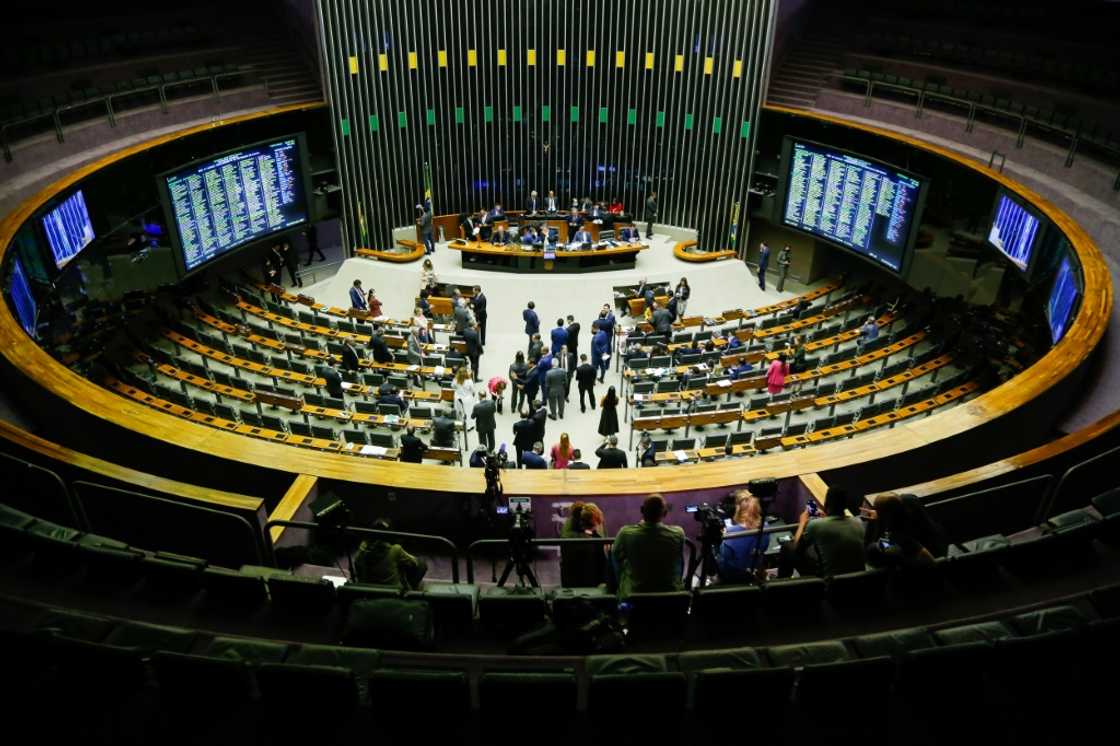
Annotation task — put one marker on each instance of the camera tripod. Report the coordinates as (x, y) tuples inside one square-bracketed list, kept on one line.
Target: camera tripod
[(520, 548)]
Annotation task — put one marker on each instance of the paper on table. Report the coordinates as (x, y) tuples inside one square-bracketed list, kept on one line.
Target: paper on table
[(336, 580), (413, 368), (638, 397), (439, 370), (724, 383), (346, 385), (681, 455), (372, 451), (701, 366)]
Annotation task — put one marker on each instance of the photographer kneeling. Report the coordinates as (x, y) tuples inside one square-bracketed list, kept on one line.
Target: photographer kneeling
[(739, 550), (381, 563)]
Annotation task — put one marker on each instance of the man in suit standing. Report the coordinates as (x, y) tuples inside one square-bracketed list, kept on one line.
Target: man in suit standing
[(582, 239), (524, 435), (332, 380), (662, 319), (483, 416), (478, 302), (291, 261), (461, 315), (574, 222), (783, 266), (425, 223), (349, 357), (606, 323), (559, 340), (585, 378), (600, 349), (532, 321), (557, 381), (763, 260), (312, 236), (533, 203), (610, 455), (551, 204), (573, 346), (412, 448), (540, 419), (651, 213), (357, 297), (474, 349), (379, 348)]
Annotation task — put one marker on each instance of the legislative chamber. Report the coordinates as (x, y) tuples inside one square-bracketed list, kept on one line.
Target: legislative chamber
[(711, 353)]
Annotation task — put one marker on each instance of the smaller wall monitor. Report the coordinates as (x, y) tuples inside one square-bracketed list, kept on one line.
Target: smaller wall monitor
[(866, 206), (223, 202), (1014, 230), (23, 302), (1064, 294), (68, 228)]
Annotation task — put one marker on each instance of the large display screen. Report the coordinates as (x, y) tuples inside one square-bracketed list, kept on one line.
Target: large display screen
[(1013, 230), (68, 228), (221, 203), (866, 206), (1063, 297), (22, 300)]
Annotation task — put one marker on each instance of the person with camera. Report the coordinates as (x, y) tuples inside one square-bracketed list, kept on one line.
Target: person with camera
[(742, 542), (827, 542), (583, 565), (380, 563), (647, 556)]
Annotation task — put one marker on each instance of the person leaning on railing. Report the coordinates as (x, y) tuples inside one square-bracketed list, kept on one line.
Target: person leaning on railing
[(380, 563)]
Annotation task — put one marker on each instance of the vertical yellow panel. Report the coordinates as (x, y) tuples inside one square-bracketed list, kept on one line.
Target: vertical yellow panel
[(561, 56), (649, 60), (472, 58), (353, 65), (383, 62), (531, 57), (441, 57), (501, 57), (591, 58), (620, 59), (737, 69), (678, 64), (709, 65), (413, 63)]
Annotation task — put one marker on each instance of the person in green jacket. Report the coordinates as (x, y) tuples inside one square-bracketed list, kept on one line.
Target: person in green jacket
[(381, 563), (648, 556)]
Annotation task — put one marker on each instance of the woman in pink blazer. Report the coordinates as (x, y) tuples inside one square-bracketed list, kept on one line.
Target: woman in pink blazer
[(776, 375)]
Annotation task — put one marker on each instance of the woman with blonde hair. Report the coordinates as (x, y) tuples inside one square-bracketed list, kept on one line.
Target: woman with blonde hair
[(465, 398), (562, 453), (583, 565), (741, 542)]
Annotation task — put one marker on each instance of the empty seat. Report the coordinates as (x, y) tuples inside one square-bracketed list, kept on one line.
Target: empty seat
[(296, 594)]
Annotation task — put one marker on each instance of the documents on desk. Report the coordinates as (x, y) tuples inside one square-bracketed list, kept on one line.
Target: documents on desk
[(372, 450)]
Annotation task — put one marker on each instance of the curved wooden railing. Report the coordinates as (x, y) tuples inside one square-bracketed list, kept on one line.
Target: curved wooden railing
[(415, 251), (1062, 360), (681, 251)]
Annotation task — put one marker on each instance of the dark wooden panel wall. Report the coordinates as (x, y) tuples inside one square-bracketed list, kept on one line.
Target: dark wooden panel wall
[(495, 98)]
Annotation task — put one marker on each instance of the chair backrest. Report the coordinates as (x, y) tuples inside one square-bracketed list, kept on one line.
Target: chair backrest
[(384, 440), (354, 436), (741, 438), (1083, 481), (300, 428), (684, 444), (365, 407), (1005, 510), (323, 432), (388, 409), (38, 492), (222, 537)]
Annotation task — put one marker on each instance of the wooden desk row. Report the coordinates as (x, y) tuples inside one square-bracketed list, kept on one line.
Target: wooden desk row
[(391, 340), (275, 436), (342, 313), (741, 314), (269, 371), (818, 344), (430, 372)]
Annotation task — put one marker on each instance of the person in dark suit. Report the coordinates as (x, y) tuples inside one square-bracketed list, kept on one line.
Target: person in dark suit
[(471, 228), (474, 348), (483, 416), (763, 260), (349, 357), (610, 455), (532, 321), (460, 315), (443, 431), (312, 236), (585, 378), (533, 459), (332, 380), (600, 349), (533, 203), (424, 221), (574, 222), (412, 448), (540, 418), (379, 348), (272, 275), (651, 213), (559, 337), (500, 237), (485, 224), (478, 302), (573, 346), (357, 297), (391, 395), (291, 261), (551, 204), (662, 319), (524, 435), (577, 461), (582, 238)]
